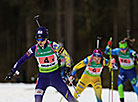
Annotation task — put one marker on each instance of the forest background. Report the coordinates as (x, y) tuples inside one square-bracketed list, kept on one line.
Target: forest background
[(75, 23)]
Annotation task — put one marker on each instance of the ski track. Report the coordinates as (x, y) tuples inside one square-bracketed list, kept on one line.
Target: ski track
[(20, 92)]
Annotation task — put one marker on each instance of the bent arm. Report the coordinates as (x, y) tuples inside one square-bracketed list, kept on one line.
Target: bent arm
[(110, 63), (107, 63), (80, 65), (113, 51), (63, 53)]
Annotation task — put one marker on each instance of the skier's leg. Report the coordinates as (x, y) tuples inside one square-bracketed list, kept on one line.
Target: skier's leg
[(40, 90), (39, 95), (135, 87), (82, 84), (120, 82), (97, 88), (134, 80), (62, 88), (121, 92)]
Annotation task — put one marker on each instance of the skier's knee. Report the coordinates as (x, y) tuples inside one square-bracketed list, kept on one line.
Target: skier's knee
[(98, 85), (134, 82), (120, 86), (39, 92)]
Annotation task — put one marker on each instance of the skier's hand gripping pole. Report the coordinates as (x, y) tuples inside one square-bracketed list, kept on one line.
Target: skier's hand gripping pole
[(11, 74)]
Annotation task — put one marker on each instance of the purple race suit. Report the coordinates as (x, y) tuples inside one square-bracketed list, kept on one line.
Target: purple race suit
[(49, 74)]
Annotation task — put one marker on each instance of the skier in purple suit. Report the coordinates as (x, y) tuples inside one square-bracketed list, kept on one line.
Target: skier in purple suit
[(45, 52)]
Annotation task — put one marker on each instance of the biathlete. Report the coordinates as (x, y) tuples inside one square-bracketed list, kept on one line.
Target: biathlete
[(45, 51), (127, 59), (91, 75)]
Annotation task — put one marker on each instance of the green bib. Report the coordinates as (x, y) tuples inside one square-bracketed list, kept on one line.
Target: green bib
[(126, 62), (47, 59), (94, 69)]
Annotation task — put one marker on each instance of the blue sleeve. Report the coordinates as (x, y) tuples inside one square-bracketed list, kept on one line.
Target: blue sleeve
[(86, 60), (106, 60), (113, 51), (74, 72), (24, 58), (132, 53)]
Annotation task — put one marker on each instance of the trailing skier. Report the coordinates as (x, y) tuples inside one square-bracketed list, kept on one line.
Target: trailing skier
[(91, 75), (128, 59)]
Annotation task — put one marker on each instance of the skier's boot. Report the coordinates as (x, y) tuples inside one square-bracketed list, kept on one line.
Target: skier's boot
[(121, 99)]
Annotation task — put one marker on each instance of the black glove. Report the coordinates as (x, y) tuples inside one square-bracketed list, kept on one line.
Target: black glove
[(9, 75), (67, 71), (59, 62), (135, 60)]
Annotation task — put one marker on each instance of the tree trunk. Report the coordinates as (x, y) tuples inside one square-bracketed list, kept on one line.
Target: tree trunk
[(30, 64), (69, 31), (58, 19)]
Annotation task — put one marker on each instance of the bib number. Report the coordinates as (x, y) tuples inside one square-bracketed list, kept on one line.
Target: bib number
[(124, 60), (96, 70), (48, 59)]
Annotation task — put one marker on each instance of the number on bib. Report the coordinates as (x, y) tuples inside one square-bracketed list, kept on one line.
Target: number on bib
[(124, 60), (94, 69), (48, 59)]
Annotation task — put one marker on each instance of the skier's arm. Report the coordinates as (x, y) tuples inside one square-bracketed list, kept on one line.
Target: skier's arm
[(134, 55), (80, 65), (22, 60), (110, 63), (113, 51), (105, 62), (62, 52)]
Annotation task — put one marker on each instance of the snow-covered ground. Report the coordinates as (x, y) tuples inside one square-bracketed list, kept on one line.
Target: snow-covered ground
[(20, 92)]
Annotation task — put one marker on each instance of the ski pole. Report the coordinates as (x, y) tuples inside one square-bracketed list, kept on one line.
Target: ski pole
[(36, 19), (73, 86), (112, 82), (61, 99), (111, 70)]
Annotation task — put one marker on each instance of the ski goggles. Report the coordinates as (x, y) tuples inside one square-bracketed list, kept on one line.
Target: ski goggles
[(40, 39), (97, 55), (123, 48)]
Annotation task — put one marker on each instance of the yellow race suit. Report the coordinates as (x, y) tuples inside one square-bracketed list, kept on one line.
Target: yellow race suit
[(91, 75)]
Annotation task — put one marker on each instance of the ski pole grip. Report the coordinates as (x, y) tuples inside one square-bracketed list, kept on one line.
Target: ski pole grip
[(110, 38), (36, 17), (110, 42)]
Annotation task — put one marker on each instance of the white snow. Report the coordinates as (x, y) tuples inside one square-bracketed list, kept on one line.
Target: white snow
[(20, 92)]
